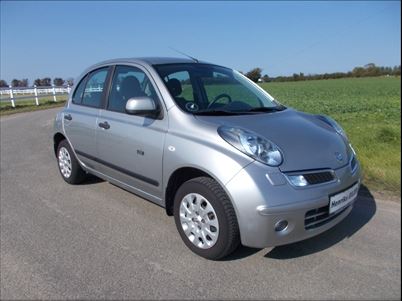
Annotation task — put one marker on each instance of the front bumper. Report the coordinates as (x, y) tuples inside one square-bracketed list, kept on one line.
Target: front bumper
[(253, 191)]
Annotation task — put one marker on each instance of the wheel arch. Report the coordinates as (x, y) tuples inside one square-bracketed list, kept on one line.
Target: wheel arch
[(176, 179), (57, 138)]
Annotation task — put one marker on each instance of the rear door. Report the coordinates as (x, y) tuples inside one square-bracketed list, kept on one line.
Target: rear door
[(80, 118), (131, 147)]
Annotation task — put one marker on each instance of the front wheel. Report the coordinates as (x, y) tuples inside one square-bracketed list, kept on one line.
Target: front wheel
[(205, 218)]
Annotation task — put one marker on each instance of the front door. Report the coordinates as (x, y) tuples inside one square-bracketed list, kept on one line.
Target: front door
[(130, 147)]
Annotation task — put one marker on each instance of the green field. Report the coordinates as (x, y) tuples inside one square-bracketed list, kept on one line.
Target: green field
[(369, 110)]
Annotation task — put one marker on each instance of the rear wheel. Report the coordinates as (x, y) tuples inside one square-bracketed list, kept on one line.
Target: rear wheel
[(205, 218), (69, 167)]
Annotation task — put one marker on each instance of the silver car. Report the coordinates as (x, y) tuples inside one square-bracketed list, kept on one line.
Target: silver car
[(229, 162)]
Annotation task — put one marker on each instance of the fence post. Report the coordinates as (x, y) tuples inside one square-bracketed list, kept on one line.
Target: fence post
[(54, 93), (36, 95), (12, 96)]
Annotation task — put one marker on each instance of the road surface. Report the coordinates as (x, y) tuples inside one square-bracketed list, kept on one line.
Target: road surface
[(97, 241)]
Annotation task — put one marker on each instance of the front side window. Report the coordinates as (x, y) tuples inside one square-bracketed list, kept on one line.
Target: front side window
[(209, 89), (94, 88), (128, 82)]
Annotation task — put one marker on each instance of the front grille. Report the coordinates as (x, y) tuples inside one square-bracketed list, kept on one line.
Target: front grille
[(320, 216), (319, 177)]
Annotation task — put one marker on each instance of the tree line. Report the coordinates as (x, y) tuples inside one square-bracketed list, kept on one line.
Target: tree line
[(369, 70), (255, 75), (39, 82)]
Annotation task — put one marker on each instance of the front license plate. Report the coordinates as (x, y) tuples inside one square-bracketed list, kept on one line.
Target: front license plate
[(343, 199)]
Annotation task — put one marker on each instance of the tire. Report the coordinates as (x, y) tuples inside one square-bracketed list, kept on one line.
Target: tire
[(69, 167), (210, 207)]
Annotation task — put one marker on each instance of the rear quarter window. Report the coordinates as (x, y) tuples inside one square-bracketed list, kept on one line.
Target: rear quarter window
[(79, 91), (94, 88)]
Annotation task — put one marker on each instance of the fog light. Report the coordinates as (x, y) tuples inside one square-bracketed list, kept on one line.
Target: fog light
[(281, 225), (298, 180)]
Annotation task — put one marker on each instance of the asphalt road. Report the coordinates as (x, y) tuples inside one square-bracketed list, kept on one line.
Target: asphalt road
[(97, 241)]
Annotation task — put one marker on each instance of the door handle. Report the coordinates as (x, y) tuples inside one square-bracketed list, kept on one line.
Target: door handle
[(104, 125), (68, 117)]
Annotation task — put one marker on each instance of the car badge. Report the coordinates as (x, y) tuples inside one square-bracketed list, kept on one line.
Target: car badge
[(339, 156)]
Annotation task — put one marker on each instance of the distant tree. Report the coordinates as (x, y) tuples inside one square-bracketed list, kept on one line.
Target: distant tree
[(358, 71), (3, 83), (265, 78), (58, 81), (70, 81), (254, 74), (37, 82), (326, 76), (369, 65), (372, 70), (23, 82), (368, 70), (15, 82), (45, 82), (387, 71)]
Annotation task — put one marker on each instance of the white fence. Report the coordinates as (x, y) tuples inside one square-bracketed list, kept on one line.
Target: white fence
[(32, 93)]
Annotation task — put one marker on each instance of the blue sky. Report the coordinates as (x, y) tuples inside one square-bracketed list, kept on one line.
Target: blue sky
[(55, 38)]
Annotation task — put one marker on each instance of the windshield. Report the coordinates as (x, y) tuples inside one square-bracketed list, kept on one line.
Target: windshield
[(209, 89)]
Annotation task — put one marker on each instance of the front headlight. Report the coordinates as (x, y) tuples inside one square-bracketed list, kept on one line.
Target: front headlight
[(252, 145)]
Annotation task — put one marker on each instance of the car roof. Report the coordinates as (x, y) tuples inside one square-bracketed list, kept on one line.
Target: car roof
[(150, 61)]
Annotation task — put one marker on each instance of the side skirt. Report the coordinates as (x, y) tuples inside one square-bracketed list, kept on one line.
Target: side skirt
[(125, 186)]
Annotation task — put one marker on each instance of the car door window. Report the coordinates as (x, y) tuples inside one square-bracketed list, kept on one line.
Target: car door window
[(128, 82), (94, 88), (77, 97)]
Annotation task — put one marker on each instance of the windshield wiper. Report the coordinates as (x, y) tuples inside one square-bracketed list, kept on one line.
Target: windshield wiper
[(217, 113), (267, 109), (227, 113)]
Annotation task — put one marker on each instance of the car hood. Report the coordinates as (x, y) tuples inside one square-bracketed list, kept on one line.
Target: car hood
[(306, 142)]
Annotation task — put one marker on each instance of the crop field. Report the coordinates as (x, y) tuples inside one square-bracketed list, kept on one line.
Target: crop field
[(369, 110)]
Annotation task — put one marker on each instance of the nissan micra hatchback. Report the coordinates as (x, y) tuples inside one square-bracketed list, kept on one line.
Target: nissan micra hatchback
[(215, 150)]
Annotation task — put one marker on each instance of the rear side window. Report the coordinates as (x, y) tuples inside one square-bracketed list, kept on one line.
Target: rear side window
[(94, 88), (77, 97)]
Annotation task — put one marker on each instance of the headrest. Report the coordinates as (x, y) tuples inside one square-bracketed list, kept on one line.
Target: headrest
[(130, 87), (174, 87)]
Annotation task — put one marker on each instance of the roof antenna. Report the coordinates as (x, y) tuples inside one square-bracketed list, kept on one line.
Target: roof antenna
[(182, 53)]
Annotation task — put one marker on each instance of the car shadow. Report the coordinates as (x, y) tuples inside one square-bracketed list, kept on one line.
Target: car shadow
[(362, 212), (91, 179), (240, 253)]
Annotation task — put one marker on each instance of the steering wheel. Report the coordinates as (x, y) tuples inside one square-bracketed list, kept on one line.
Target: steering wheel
[(219, 97)]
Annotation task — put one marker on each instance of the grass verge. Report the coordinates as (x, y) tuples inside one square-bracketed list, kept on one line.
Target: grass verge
[(29, 105)]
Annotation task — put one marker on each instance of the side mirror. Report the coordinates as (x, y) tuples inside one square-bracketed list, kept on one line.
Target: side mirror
[(142, 105)]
